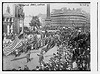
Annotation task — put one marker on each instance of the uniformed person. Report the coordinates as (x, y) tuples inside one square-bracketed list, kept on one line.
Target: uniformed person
[(28, 57)]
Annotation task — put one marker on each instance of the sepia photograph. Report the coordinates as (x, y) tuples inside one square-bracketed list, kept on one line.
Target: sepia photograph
[(46, 36)]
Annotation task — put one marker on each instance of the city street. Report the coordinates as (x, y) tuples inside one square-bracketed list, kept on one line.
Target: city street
[(8, 64)]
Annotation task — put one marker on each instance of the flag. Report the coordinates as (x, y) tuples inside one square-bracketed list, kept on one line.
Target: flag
[(10, 48)]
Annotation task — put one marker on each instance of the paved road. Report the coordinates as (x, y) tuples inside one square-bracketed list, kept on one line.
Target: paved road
[(8, 64)]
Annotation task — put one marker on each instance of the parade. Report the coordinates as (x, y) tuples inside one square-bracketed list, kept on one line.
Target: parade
[(61, 48)]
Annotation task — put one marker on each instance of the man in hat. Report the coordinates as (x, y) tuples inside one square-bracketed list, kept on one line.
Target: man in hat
[(41, 58), (28, 57)]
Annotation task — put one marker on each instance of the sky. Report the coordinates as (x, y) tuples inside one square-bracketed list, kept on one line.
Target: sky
[(37, 8)]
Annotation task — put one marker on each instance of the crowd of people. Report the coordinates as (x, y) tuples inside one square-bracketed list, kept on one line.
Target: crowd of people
[(73, 51)]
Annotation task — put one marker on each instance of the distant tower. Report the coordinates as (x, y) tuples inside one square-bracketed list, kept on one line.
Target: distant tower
[(16, 21), (48, 11), (48, 20), (19, 18)]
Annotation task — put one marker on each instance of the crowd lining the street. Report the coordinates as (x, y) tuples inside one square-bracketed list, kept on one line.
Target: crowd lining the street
[(73, 50)]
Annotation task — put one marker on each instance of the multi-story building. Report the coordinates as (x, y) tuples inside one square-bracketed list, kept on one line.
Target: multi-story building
[(69, 18), (8, 22), (11, 23)]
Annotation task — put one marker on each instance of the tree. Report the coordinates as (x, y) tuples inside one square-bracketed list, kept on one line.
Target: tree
[(35, 22), (26, 30)]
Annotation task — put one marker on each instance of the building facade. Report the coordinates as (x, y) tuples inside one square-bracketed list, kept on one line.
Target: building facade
[(19, 18), (13, 23), (8, 22), (70, 18)]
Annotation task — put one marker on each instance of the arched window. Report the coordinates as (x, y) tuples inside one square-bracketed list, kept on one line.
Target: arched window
[(7, 19), (12, 19)]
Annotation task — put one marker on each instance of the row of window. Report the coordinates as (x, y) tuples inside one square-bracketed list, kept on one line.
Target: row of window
[(69, 21), (69, 17), (8, 19), (69, 13)]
